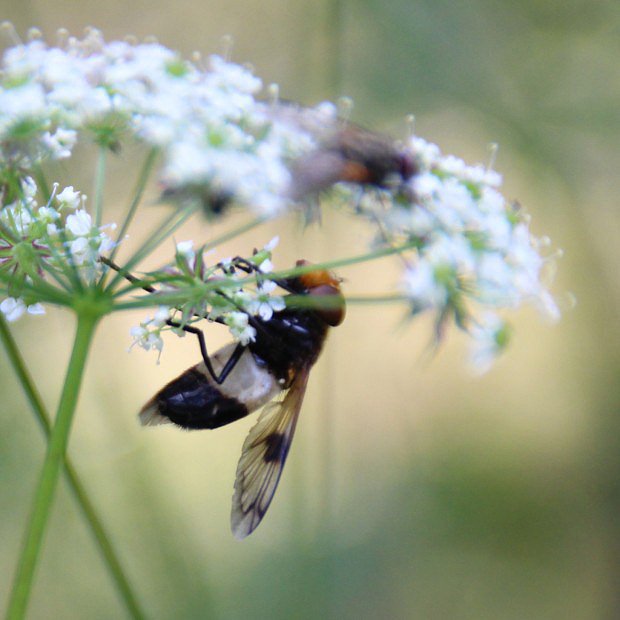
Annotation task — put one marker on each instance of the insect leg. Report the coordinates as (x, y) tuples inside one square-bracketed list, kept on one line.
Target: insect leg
[(228, 366), (236, 354), (245, 265), (128, 276)]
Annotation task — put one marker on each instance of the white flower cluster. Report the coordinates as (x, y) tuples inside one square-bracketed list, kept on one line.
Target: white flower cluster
[(472, 248), (38, 241), (226, 300), (470, 254), (219, 143)]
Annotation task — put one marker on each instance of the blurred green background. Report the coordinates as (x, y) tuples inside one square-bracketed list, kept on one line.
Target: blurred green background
[(413, 490)]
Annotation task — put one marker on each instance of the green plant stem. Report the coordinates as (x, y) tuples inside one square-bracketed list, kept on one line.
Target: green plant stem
[(77, 488), (176, 219), (143, 178), (42, 184), (176, 297), (54, 457), (334, 26), (99, 184), (231, 234)]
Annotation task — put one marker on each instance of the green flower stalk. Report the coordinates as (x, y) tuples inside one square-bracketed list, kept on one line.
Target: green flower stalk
[(54, 458)]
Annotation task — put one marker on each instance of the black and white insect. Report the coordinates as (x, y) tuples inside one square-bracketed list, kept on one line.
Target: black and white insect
[(239, 379)]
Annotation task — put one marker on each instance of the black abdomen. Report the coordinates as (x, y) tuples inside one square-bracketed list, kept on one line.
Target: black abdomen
[(192, 402)]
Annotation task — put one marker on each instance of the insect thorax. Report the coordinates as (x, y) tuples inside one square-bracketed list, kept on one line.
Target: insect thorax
[(289, 341)]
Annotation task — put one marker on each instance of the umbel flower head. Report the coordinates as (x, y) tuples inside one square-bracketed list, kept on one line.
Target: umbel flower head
[(468, 252), (217, 140), (56, 241)]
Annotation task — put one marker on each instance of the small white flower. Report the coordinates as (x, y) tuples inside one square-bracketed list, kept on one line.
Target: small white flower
[(79, 223), (426, 152), (36, 309), (68, 198), (47, 215), (29, 187), (490, 337), (186, 249), (105, 243), (453, 165), (425, 185), (61, 142), (266, 266), (138, 332), (13, 308), (272, 244), (17, 218), (161, 316), (265, 304), (146, 339), (80, 250), (242, 331)]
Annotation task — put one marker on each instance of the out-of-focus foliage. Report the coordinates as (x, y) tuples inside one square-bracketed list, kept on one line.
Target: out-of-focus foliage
[(413, 490)]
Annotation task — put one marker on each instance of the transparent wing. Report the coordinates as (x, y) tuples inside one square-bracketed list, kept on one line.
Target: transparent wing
[(262, 458)]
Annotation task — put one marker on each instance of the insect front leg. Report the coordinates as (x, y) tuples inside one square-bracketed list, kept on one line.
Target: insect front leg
[(230, 363), (248, 267)]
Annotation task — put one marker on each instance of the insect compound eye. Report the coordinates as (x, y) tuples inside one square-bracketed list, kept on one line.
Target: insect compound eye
[(314, 279), (332, 311)]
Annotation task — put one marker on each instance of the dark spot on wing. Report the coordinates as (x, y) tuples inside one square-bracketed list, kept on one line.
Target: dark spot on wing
[(275, 448)]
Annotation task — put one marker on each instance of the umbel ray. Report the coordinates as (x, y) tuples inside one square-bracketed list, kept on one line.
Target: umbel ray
[(238, 379)]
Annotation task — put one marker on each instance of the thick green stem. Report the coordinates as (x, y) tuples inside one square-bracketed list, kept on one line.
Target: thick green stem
[(77, 488), (48, 480)]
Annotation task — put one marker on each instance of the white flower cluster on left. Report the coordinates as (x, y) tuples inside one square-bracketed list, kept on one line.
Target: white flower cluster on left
[(50, 241), (219, 142)]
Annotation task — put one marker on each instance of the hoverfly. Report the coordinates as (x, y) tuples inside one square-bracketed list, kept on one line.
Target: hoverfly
[(344, 152), (238, 379), (352, 154)]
